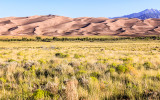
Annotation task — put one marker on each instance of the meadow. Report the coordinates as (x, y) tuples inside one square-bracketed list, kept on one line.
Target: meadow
[(78, 70)]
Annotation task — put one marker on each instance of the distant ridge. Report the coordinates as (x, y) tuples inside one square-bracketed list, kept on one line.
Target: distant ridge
[(146, 14)]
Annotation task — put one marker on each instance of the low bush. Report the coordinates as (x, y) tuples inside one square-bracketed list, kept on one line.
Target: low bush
[(121, 69), (78, 56), (147, 65), (11, 60), (111, 70), (41, 94), (61, 55), (95, 74)]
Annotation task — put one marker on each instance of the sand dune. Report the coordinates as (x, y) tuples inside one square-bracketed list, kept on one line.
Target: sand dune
[(63, 26)]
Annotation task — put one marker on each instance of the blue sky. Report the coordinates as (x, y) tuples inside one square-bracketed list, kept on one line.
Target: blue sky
[(75, 8)]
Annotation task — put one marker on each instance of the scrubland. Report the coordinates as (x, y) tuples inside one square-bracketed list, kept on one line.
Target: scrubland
[(80, 70)]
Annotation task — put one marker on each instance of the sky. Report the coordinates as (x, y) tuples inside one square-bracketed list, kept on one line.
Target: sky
[(75, 8)]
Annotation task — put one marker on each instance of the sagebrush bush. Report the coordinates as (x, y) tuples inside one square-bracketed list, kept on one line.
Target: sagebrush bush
[(78, 56), (61, 55), (147, 65), (95, 74), (111, 70), (42, 94)]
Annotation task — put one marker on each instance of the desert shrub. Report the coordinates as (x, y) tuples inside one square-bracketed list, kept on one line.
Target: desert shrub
[(114, 65), (80, 72), (30, 73), (158, 76), (83, 81), (11, 60), (2, 80), (38, 38), (17, 76), (80, 67), (94, 87), (42, 61), (52, 87), (38, 72), (95, 74), (78, 56), (121, 69), (46, 40), (33, 67), (48, 73), (126, 59), (111, 70), (20, 54), (64, 69), (83, 93), (74, 64), (28, 64), (102, 61), (147, 65), (61, 55), (52, 61), (145, 76), (41, 94)]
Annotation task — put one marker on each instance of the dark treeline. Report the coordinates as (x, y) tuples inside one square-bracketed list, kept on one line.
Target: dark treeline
[(91, 39)]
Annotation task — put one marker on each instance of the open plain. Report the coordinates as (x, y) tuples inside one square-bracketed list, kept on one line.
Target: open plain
[(124, 69)]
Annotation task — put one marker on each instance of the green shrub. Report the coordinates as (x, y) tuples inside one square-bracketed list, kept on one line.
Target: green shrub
[(48, 73), (94, 79), (33, 67), (126, 59), (42, 61), (111, 70), (121, 69), (147, 65), (80, 72), (2, 80), (11, 60), (102, 61), (61, 55), (20, 54), (95, 74), (38, 72), (114, 65), (38, 38), (158, 76), (78, 56), (80, 67), (41, 94)]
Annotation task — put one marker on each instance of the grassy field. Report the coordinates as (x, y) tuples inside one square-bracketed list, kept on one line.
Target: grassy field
[(80, 70)]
